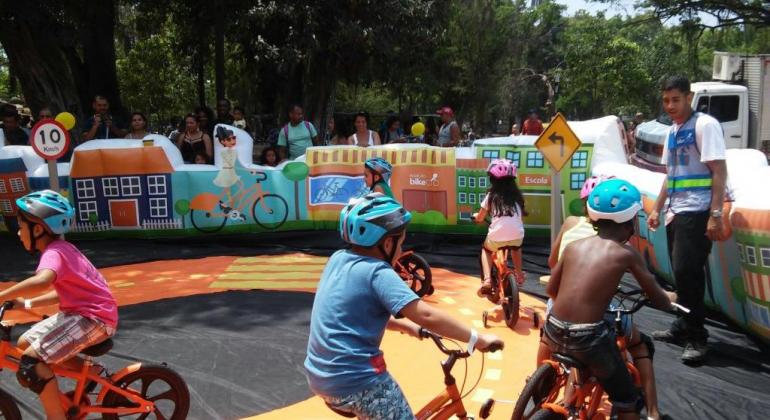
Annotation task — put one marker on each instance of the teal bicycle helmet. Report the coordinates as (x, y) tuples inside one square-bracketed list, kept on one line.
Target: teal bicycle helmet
[(48, 208), (367, 220), (379, 166), (614, 199)]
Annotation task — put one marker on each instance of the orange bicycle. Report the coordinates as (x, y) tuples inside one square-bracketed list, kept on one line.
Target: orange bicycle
[(450, 401), (140, 389), (505, 280), (565, 377), (208, 213)]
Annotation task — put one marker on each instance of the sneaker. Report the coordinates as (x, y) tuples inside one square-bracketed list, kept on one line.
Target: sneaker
[(485, 289), (669, 336), (695, 352)]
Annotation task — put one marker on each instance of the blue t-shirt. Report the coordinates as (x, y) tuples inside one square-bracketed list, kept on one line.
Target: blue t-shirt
[(354, 301)]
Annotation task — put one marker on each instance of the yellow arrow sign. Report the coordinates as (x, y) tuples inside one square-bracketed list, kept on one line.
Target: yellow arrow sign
[(558, 143)]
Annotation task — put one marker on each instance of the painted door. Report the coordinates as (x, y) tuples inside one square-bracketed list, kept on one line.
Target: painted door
[(124, 213)]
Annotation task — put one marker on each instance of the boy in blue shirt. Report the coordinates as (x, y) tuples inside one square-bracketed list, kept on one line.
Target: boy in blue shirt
[(358, 297)]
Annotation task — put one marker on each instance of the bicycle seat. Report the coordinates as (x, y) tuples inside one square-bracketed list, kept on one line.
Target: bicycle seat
[(99, 349), (568, 361)]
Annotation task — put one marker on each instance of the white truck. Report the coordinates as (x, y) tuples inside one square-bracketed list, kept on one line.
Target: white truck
[(739, 98)]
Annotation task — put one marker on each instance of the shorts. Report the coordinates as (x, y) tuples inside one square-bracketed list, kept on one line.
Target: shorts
[(493, 246), (64, 335), (626, 320), (382, 401), (594, 346)]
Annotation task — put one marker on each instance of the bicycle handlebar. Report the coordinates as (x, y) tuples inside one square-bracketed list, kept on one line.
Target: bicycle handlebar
[(438, 340), (640, 300)]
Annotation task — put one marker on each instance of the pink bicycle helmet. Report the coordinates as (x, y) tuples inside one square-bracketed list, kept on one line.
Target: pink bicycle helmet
[(502, 168), (591, 183)]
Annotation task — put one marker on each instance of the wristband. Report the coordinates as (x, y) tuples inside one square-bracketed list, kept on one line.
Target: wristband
[(472, 342), (27, 304)]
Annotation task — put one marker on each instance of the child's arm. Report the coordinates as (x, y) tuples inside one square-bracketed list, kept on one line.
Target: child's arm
[(50, 298), (34, 285), (658, 297), (404, 326), (553, 284), (442, 324), (554, 257), (481, 215)]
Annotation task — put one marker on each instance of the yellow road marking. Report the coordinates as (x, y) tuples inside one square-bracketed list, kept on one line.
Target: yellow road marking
[(199, 276), (477, 324), (273, 259), (482, 394), (493, 374), (466, 311), (498, 355), (448, 300), (271, 276), (277, 268), (264, 284), (126, 284)]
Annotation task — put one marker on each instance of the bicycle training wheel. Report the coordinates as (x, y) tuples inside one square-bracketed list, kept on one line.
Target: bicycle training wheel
[(417, 274), (511, 302), (270, 211), (8, 408), (206, 222), (537, 390), (156, 383)]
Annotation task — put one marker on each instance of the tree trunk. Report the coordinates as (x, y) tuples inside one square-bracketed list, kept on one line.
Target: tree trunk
[(97, 36), (219, 53)]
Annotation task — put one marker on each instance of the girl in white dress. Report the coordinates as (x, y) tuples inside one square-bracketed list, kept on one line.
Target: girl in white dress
[(227, 177)]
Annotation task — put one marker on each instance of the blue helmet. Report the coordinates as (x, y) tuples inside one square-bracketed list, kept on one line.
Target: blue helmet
[(614, 199), (379, 166), (49, 208), (366, 220)]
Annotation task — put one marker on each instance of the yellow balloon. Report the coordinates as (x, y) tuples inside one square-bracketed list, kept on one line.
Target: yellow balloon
[(418, 129), (66, 119)]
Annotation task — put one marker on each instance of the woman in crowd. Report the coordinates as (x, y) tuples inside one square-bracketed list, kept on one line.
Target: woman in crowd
[(363, 136), (138, 129), (194, 141), (393, 132)]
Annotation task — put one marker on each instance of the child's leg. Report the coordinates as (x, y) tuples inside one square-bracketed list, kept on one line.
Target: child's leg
[(517, 261), (642, 355), (49, 396), (543, 352), (486, 272)]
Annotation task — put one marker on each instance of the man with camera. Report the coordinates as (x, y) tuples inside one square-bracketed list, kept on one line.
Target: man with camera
[(102, 125)]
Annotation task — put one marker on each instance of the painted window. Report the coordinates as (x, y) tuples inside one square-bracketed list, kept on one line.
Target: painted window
[(765, 254), (461, 182), (576, 180), (472, 198), (85, 188), (741, 253), (158, 207), (483, 182), (751, 255), (86, 209), (759, 313), (17, 185), (156, 184), (490, 154), (513, 157), (471, 182), (534, 159), (129, 186), (5, 206), (3, 188), (580, 159), (462, 198), (481, 197), (110, 187)]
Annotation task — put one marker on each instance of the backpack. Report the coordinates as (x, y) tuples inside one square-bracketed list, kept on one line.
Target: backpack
[(285, 130)]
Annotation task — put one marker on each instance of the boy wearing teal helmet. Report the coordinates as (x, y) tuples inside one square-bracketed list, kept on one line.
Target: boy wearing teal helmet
[(358, 297), (377, 173), (88, 313), (583, 283)]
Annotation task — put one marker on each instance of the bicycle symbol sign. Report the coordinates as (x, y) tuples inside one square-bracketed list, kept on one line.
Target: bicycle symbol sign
[(50, 139)]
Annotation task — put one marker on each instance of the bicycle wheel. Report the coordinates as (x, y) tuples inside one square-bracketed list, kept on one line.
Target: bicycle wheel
[(274, 212), (155, 383), (546, 414), (206, 222), (416, 274), (511, 302), (539, 386), (8, 408)]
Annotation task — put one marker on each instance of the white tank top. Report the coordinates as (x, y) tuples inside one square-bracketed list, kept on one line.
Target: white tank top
[(370, 141)]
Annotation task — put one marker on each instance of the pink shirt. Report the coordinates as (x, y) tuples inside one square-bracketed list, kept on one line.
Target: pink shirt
[(80, 286), (504, 228)]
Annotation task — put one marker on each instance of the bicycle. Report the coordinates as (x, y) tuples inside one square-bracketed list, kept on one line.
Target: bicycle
[(504, 279), (565, 377), (209, 214), (416, 273), (450, 401), (139, 389)]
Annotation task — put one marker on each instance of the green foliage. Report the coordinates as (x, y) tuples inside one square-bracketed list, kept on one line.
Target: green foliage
[(430, 217), (93, 218), (182, 207), (296, 171)]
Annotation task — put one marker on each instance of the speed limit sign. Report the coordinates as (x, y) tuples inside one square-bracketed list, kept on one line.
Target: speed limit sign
[(50, 139)]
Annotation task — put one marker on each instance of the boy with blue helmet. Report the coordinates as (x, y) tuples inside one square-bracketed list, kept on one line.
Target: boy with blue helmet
[(87, 314), (358, 297), (583, 283), (377, 173)]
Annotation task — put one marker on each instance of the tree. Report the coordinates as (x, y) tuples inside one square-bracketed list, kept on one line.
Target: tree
[(182, 208), (725, 12), (296, 171)]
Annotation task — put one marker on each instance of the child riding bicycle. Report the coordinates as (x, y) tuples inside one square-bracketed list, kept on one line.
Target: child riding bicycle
[(377, 173), (358, 297), (583, 283), (88, 313), (640, 345), (505, 203)]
